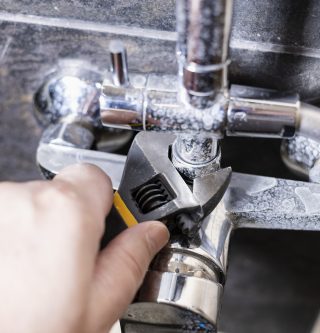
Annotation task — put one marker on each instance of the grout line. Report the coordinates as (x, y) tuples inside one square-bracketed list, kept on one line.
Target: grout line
[(89, 26), (275, 48), (151, 33)]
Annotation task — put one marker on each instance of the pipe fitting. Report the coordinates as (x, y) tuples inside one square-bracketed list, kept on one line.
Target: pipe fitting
[(183, 288), (256, 112), (302, 156), (196, 156)]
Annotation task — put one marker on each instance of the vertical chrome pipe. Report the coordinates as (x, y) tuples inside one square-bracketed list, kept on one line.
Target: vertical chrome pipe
[(196, 155), (203, 28), (203, 37)]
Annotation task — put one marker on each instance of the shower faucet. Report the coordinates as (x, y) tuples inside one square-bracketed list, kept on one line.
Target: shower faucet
[(184, 116)]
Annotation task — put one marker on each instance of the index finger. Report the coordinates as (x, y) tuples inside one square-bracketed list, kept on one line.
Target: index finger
[(92, 188)]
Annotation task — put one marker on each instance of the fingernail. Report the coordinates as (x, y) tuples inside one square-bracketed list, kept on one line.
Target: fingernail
[(157, 235)]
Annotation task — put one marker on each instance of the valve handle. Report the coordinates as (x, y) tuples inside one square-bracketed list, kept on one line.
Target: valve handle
[(119, 63)]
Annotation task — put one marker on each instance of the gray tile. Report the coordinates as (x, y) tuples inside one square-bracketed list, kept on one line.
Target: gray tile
[(286, 22), (283, 72), (141, 13), (273, 284)]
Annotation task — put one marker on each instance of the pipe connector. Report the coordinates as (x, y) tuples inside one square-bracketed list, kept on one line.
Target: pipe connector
[(183, 288)]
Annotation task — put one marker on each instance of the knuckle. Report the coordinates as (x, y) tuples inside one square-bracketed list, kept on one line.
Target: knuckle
[(57, 199), (60, 194), (61, 202), (91, 170)]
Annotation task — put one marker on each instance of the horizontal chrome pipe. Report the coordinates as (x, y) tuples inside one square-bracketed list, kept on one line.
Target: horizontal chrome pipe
[(153, 103), (156, 106), (255, 112)]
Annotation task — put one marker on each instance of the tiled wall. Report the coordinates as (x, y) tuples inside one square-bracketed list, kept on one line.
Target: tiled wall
[(144, 13), (275, 43)]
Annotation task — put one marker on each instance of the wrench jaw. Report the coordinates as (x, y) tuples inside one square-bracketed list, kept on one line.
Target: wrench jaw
[(153, 189), (210, 190)]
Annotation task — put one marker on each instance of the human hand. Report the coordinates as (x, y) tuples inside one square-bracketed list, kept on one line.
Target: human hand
[(53, 278)]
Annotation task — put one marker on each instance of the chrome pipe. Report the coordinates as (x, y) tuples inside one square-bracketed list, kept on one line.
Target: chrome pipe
[(248, 111), (255, 112), (183, 288), (152, 103), (196, 155), (203, 38), (203, 28)]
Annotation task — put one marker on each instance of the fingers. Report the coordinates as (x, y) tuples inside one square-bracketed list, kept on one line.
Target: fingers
[(121, 268), (80, 193), (92, 185), (75, 205)]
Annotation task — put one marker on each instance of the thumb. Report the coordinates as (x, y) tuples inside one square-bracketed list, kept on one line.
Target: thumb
[(120, 270)]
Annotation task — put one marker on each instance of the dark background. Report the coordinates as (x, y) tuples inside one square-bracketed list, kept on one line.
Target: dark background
[(273, 283)]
